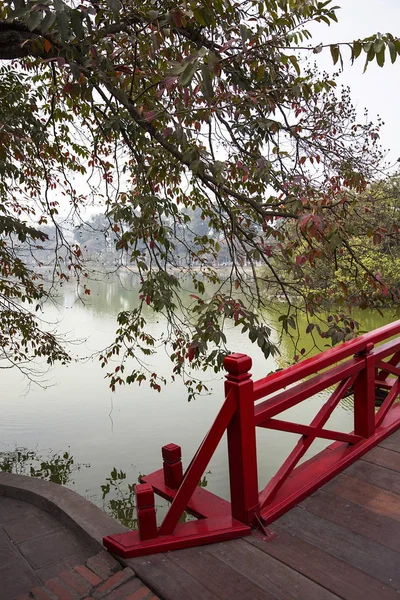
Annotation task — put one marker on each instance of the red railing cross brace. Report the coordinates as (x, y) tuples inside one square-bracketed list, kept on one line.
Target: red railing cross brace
[(304, 442), (197, 467)]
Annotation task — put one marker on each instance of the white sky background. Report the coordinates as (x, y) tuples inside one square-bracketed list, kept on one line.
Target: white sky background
[(378, 89)]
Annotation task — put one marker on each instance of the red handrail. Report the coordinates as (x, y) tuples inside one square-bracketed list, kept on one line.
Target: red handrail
[(357, 367), (316, 363)]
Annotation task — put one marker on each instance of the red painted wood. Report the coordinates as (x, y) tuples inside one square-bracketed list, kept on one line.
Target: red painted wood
[(201, 505), (292, 396), (388, 368), (387, 403), (198, 466), (304, 443), (300, 429), (364, 398), (172, 466), (146, 512), (196, 533), (242, 451), (385, 383), (312, 474), (311, 365), (391, 348)]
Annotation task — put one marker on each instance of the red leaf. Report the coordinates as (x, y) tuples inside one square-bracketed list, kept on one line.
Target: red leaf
[(177, 18), (300, 260), (377, 238)]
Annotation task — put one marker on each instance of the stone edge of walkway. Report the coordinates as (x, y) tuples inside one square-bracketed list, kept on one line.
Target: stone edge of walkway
[(85, 519)]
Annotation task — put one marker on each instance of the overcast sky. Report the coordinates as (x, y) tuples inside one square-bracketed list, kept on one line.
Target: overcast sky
[(378, 89)]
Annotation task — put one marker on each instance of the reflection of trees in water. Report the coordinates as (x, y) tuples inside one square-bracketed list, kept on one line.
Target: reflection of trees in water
[(111, 294), (297, 343), (118, 498), (347, 403), (57, 467), (117, 494)]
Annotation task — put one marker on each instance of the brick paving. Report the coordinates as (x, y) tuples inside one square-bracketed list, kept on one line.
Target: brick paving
[(115, 583), (41, 559)]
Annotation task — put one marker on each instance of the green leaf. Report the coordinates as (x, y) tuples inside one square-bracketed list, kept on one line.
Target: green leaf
[(294, 62), (76, 24), (206, 84), (357, 49), (380, 57), (114, 5), (393, 51), (370, 57), (48, 21), (188, 74), (335, 52), (18, 13), (63, 24), (34, 20), (199, 15)]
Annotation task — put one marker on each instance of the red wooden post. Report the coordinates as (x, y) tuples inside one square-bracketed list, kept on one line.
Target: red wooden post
[(364, 395), (146, 512), (173, 471), (242, 440)]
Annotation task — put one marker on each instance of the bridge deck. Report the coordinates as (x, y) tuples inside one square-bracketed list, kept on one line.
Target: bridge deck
[(341, 542)]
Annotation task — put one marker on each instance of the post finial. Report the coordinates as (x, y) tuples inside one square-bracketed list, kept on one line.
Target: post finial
[(238, 366)]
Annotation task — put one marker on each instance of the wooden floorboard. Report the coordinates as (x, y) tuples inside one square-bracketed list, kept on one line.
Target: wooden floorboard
[(218, 576), (375, 498), (328, 571), (168, 580), (392, 442), (360, 552), (387, 479), (268, 573), (383, 457), (355, 518)]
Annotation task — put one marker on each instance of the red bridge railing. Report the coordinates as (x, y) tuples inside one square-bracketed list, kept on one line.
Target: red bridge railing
[(358, 368)]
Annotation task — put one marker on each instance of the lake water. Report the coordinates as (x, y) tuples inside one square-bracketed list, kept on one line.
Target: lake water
[(127, 428)]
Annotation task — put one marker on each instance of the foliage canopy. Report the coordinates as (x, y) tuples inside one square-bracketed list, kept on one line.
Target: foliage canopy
[(163, 111)]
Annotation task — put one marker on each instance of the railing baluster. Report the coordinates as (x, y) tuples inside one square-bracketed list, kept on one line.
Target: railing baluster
[(242, 440), (173, 471), (146, 512), (364, 395)]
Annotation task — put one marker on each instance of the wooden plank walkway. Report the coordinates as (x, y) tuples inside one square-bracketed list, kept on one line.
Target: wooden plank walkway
[(341, 542)]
